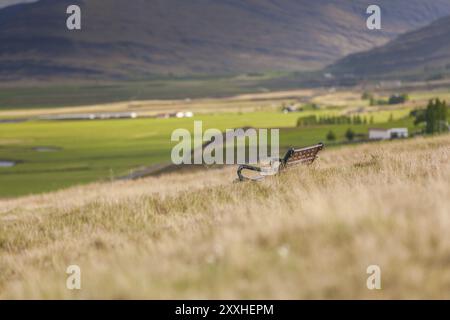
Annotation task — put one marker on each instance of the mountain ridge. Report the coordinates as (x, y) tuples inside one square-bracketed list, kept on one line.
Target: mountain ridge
[(422, 53), (126, 40)]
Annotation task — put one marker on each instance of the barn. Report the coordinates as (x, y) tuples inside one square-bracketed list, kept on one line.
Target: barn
[(386, 134)]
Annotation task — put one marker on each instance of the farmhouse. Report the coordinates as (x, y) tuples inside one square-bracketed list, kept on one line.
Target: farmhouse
[(290, 109), (386, 134)]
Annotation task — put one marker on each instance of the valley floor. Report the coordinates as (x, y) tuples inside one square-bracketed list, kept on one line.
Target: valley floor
[(307, 234)]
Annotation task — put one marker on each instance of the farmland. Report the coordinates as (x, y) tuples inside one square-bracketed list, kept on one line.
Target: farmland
[(50, 155), (86, 151)]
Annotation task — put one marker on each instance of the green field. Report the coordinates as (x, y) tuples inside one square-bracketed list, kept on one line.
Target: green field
[(87, 151)]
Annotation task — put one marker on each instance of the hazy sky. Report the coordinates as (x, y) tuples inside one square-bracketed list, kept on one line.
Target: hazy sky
[(5, 3)]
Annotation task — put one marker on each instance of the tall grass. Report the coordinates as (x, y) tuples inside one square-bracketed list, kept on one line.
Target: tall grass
[(309, 233)]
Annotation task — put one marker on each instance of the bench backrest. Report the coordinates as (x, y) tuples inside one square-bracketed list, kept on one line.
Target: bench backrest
[(301, 156)]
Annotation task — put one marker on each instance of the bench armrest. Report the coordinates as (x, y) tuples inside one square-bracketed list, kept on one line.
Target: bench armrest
[(247, 167)]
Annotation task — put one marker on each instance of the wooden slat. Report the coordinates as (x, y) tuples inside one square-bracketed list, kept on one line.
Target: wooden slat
[(304, 155)]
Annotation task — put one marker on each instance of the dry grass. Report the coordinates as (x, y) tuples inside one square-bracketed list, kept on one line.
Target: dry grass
[(310, 233)]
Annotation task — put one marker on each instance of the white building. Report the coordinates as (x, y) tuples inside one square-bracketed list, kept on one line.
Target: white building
[(290, 109), (187, 114), (385, 134), (92, 116)]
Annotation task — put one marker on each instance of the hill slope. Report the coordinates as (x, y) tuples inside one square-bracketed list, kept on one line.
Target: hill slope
[(421, 53), (122, 39), (308, 234)]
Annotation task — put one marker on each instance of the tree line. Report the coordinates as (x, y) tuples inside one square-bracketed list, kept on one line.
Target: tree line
[(393, 99), (327, 120), (435, 116)]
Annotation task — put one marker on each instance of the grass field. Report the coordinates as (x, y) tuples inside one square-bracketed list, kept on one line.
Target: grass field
[(87, 151), (308, 234)]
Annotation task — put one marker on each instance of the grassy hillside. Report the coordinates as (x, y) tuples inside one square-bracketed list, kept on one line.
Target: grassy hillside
[(307, 234), (134, 39)]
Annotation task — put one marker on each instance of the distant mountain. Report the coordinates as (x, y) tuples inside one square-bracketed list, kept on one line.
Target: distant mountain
[(421, 54), (7, 3), (129, 39)]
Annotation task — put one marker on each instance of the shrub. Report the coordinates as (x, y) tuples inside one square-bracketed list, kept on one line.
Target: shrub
[(398, 98), (331, 136), (350, 134)]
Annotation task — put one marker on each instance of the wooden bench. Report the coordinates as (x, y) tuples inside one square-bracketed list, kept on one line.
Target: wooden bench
[(292, 158)]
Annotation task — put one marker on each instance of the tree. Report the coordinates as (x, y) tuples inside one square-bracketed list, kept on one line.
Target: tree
[(350, 135), (307, 121), (331, 136), (357, 120), (391, 118), (419, 116), (434, 116), (367, 96)]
